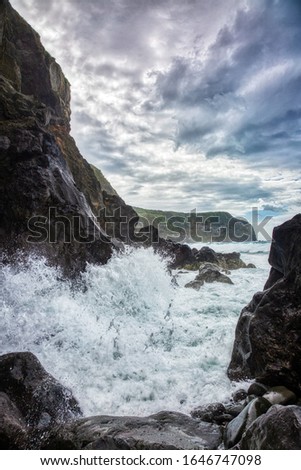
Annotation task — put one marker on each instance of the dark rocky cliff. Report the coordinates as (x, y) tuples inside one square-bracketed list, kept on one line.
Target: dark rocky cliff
[(268, 335), (48, 191)]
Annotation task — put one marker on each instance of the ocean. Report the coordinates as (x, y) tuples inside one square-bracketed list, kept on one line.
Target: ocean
[(129, 338)]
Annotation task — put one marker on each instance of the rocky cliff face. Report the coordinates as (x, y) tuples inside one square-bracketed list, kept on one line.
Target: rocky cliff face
[(31, 71), (268, 334), (49, 194)]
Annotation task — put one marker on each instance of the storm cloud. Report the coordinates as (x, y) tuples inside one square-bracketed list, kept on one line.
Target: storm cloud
[(184, 104)]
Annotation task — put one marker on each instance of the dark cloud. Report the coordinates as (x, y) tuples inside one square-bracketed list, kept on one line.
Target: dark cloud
[(183, 102), (264, 37)]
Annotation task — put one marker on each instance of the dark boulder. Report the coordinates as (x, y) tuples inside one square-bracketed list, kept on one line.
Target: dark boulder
[(165, 430), (212, 413), (278, 429), (268, 340), (208, 273), (206, 254), (268, 334), (230, 261), (240, 424), (224, 261), (41, 400), (13, 429), (285, 253), (239, 395), (178, 254), (258, 389)]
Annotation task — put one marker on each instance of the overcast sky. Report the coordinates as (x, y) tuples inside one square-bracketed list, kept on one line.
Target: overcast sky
[(184, 104)]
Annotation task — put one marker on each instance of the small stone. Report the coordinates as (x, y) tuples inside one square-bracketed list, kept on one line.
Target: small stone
[(257, 389), (239, 395)]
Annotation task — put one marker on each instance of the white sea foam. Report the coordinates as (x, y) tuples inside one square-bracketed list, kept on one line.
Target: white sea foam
[(127, 340)]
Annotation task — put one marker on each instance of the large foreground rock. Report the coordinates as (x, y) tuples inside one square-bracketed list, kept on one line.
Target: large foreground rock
[(268, 334), (13, 432), (165, 430), (285, 253), (31, 401), (278, 429)]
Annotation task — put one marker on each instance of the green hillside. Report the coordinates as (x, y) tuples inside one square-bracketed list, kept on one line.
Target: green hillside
[(211, 226)]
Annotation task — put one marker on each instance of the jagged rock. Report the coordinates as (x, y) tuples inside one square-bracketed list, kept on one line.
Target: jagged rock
[(224, 261), (280, 396), (278, 429), (268, 334), (178, 254), (165, 430), (238, 425), (285, 253), (13, 430), (40, 399), (206, 254), (230, 261), (37, 80), (208, 273)]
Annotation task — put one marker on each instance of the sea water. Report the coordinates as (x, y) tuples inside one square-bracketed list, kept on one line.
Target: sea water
[(129, 338)]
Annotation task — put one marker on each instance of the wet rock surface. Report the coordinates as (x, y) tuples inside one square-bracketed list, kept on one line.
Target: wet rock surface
[(13, 432), (32, 401), (236, 428), (216, 413), (165, 430), (208, 272), (223, 261), (278, 429), (268, 340)]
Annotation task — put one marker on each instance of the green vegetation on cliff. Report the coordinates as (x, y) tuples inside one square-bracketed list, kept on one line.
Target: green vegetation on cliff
[(197, 227)]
